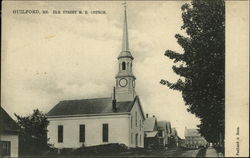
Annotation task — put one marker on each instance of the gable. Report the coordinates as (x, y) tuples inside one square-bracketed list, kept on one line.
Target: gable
[(150, 124), (88, 106), (138, 104), (7, 125)]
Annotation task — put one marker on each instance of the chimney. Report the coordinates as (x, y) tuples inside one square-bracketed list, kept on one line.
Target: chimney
[(114, 101), (146, 115)]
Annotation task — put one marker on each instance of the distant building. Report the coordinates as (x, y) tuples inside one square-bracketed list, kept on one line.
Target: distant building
[(9, 138), (151, 132), (90, 122), (165, 126), (182, 143), (193, 139), (174, 138)]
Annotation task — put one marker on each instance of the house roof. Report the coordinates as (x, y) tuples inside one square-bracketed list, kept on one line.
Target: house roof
[(162, 124), (89, 106), (166, 125), (191, 132), (7, 125), (149, 124)]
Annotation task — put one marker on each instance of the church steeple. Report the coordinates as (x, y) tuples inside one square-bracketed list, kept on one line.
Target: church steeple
[(125, 44), (125, 79)]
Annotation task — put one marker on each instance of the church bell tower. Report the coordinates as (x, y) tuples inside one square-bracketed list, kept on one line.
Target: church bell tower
[(125, 79)]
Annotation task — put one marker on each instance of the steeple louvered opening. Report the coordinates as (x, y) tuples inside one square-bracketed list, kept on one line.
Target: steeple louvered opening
[(123, 66)]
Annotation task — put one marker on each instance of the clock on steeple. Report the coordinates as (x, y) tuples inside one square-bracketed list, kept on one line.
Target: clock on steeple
[(125, 79)]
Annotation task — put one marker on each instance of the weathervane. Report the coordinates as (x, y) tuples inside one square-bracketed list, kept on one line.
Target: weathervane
[(124, 4)]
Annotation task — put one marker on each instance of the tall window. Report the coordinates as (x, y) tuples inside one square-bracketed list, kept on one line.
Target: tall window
[(131, 138), (82, 133), (131, 121), (136, 139), (60, 134), (160, 133), (140, 125), (136, 119), (105, 132), (140, 140), (123, 66)]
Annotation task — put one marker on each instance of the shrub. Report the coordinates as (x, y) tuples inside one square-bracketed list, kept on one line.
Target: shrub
[(106, 149)]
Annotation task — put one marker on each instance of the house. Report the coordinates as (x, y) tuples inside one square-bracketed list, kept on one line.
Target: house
[(96, 121), (153, 137), (193, 139), (165, 126), (150, 132), (9, 135), (174, 137)]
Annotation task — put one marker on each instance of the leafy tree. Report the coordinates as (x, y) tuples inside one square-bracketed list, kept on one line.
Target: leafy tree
[(33, 135), (202, 65)]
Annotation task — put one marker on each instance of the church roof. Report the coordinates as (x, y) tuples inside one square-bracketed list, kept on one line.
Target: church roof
[(7, 124), (125, 54), (89, 106), (125, 74)]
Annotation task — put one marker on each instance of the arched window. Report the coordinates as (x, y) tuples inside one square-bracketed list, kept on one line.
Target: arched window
[(123, 66)]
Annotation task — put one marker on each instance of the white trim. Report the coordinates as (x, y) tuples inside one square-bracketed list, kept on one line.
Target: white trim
[(79, 117), (88, 115)]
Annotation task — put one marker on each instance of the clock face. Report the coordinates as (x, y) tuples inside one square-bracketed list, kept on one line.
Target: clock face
[(123, 82), (133, 83)]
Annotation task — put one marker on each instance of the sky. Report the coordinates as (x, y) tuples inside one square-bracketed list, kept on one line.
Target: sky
[(47, 58)]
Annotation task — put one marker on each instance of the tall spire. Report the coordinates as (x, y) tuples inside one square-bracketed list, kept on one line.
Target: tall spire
[(125, 53), (125, 45)]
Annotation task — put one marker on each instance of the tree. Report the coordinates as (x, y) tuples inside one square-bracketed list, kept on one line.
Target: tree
[(33, 135), (202, 65)]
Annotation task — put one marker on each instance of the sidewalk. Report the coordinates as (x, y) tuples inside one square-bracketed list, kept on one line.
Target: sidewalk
[(211, 152)]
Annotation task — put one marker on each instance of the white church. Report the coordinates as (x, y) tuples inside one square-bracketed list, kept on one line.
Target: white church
[(116, 119)]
